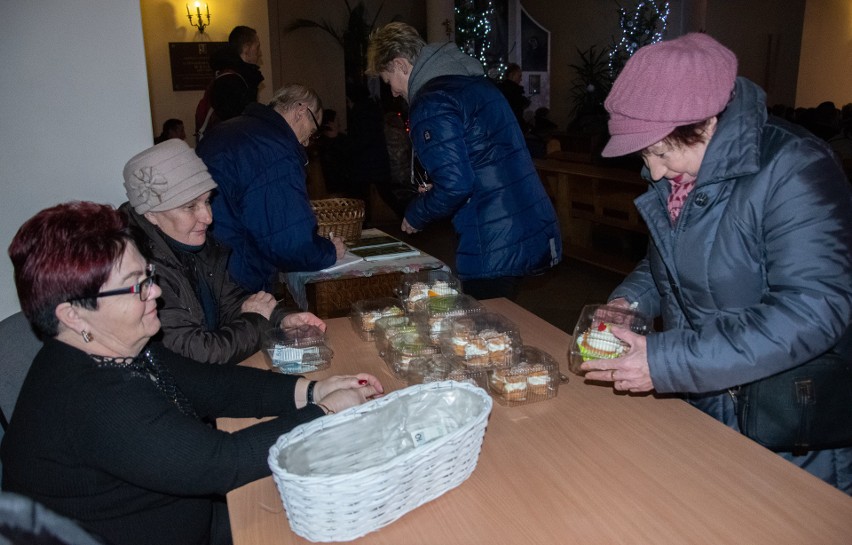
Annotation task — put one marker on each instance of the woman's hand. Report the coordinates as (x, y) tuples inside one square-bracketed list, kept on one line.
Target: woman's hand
[(339, 246), (297, 319), (629, 372), (341, 392), (260, 303)]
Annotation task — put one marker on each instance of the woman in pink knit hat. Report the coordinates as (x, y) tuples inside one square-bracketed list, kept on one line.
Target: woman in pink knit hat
[(749, 265)]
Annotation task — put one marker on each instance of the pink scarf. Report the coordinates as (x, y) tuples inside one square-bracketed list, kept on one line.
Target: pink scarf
[(678, 195)]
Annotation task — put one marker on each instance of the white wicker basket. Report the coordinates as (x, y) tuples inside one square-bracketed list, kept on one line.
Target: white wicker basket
[(348, 474)]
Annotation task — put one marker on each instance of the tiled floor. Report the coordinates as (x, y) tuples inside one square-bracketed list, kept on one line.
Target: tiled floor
[(557, 296)]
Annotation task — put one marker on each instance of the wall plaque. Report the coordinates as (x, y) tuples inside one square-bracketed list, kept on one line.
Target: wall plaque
[(190, 63)]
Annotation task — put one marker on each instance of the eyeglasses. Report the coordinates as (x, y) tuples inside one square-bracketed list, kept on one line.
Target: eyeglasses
[(316, 133), (143, 288)]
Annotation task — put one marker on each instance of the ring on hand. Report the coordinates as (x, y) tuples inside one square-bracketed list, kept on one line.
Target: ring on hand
[(612, 375)]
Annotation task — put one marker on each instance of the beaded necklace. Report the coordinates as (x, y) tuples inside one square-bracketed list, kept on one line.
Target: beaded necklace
[(147, 366)]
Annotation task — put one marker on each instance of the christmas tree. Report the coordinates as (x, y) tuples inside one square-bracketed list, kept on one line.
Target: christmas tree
[(643, 24), (473, 33)]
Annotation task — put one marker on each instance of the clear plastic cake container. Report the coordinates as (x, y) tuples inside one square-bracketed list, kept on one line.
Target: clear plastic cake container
[(433, 311), (438, 367), (422, 285), (366, 312), (391, 325), (405, 347), (298, 350), (483, 340), (594, 338), (534, 378)]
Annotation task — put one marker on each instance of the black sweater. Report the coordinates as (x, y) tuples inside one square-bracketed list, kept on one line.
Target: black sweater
[(106, 447)]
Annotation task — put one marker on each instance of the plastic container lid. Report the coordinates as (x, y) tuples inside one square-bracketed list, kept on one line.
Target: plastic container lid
[(433, 311), (365, 313), (422, 285), (300, 349), (403, 348), (391, 325), (483, 340), (438, 367), (593, 337), (534, 378)]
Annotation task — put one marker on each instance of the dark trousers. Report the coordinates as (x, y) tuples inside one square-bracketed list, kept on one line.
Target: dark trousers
[(489, 288)]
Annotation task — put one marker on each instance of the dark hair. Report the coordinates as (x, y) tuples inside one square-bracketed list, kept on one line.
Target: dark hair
[(688, 135), (63, 253), (512, 68), (169, 126), (242, 36)]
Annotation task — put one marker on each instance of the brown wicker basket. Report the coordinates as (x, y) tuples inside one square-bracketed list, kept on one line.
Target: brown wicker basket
[(343, 217), (334, 298)]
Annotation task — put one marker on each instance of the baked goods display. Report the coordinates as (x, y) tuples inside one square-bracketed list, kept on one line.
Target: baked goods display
[(405, 347), (420, 291), (438, 367), (422, 285), (481, 340), (594, 338), (367, 312), (598, 342), (534, 378), (435, 312), (391, 325)]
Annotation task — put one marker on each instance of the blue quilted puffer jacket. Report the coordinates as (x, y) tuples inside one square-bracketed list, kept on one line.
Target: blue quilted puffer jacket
[(468, 140), (261, 209)]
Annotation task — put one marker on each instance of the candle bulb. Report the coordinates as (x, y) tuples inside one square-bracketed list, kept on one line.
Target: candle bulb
[(188, 14), (207, 7)]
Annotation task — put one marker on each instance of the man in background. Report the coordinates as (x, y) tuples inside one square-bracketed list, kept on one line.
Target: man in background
[(236, 80)]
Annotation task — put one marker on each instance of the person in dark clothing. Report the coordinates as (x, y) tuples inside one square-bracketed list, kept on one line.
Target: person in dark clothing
[(262, 209), (368, 148), (335, 156), (172, 128), (477, 168), (512, 89), (204, 314), (236, 80), (111, 429)]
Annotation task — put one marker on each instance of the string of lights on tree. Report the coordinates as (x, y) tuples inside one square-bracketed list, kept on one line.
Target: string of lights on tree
[(473, 31), (643, 24)]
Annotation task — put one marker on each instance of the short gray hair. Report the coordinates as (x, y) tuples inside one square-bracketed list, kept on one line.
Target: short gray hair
[(292, 94)]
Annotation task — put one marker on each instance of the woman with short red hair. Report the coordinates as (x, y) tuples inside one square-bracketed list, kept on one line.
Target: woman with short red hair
[(113, 430)]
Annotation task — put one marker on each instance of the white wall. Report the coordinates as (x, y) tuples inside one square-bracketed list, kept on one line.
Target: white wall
[(74, 108)]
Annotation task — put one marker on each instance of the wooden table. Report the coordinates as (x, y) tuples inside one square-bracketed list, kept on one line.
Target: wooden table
[(588, 467)]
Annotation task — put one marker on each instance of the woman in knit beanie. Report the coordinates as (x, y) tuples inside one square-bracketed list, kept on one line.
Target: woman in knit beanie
[(750, 219), (204, 314)]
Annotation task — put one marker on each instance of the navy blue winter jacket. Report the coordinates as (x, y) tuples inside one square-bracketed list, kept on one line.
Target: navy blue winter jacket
[(471, 146), (261, 208)]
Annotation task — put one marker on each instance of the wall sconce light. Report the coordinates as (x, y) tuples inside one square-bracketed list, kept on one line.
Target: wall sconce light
[(200, 24)]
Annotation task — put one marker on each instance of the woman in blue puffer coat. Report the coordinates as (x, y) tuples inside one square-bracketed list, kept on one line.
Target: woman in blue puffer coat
[(750, 260), (468, 140)]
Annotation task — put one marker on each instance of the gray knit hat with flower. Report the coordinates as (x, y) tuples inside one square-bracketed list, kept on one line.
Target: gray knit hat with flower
[(165, 176)]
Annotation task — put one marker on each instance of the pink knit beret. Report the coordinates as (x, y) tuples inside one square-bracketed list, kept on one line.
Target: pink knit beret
[(666, 85)]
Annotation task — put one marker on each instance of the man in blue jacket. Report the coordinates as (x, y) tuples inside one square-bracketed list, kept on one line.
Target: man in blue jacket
[(262, 208), (469, 142)]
